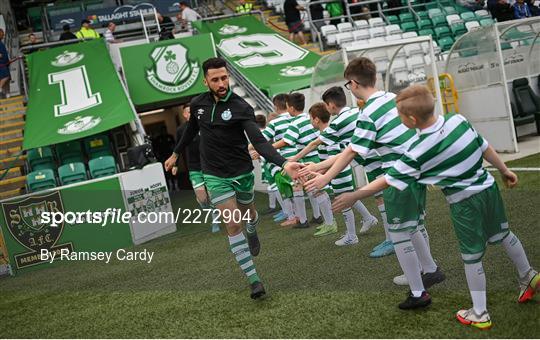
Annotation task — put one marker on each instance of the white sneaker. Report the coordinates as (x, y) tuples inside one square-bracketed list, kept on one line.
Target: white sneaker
[(347, 240), (368, 224), (401, 280)]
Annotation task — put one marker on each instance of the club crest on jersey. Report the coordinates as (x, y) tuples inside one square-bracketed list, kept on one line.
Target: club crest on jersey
[(226, 115), (67, 58), (231, 29), (172, 71)]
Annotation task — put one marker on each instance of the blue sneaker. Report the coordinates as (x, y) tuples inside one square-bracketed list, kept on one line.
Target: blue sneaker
[(280, 218), (215, 228), (278, 214), (384, 249)]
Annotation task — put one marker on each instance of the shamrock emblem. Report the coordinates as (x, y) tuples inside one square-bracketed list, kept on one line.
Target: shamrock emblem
[(170, 56)]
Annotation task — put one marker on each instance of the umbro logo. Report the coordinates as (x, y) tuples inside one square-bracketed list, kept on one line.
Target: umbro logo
[(200, 111)]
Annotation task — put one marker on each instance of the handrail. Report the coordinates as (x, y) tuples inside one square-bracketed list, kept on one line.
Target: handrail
[(232, 15)]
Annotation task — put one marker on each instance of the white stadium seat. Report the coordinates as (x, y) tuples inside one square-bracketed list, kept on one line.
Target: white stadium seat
[(328, 29), (376, 22), (399, 65), (344, 27), (471, 25), (392, 29), (331, 39), (344, 37), (376, 40), (434, 12), (361, 34), (413, 49), (415, 63), (361, 24), (453, 19), (407, 35), (375, 32), (482, 14), (393, 37)]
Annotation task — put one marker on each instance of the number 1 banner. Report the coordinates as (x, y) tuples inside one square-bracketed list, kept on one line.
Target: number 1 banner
[(273, 63), (74, 92)]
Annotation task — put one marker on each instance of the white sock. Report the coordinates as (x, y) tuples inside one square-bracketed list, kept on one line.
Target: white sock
[(408, 261), (476, 280), (514, 250), (348, 216), (314, 205), (423, 253), (271, 200), (288, 207), (382, 210), (326, 208), (300, 206), (361, 208), (278, 197)]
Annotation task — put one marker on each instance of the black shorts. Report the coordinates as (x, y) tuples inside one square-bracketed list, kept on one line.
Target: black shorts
[(295, 27)]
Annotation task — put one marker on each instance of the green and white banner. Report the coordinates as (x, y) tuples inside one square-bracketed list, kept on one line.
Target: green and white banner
[(273, 63), (74, 92), (166, 70)]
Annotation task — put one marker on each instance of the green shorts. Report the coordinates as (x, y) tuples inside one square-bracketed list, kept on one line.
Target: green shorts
[(284, 184), (221, 189), (196, 178), (405, 209), (478, 220)]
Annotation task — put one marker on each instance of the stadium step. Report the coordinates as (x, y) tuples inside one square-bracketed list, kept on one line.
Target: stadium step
[(11, 142), (9, 152), (11, 100), (12, 184), (11, 173), (11, 134), (6, 111), (14, 104), (11, 119), (12, 161), (7, 127), (11, 193)]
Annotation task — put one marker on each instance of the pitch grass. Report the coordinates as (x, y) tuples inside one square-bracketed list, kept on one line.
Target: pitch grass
[(193, 288)]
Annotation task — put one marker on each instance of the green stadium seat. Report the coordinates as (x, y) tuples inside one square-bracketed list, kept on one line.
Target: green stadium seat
[(392, 19), (428, 31), (468, 16), (449, 10), (461, 9), (70, 152), (439, 21), (425, 24), (406, 17), (97, 146), (445, 43), (458, 29), (102, 166), (442, 32), (41, 158), (423, 14), (432, 5), (487, 22), (72, 173), (40, 180), (408, 27)]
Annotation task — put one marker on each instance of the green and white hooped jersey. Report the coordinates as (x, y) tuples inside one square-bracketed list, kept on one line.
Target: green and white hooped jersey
[(275, 131), (344, 181), (341, 128), (447, 154), (379, 129), (301, 133)]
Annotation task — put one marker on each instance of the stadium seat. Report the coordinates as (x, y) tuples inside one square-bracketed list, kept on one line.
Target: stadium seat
[(486, 22), (97, 146), (468, 16), (328, 29), (376, 22), (408, 27), (426, 32), (70, 152), (102, 166), (431, 5), (416, 63), (393, 37), (439, 21), (435, 12), (413, 49), (527, 103), (423, 14), (406, 17), (344, 27), (482, 14), (407, 35), (442, 32), (377, 40), (392, 19), (449, 10), (399, 65), (345, 37), (445, 43), (453, 19), (424, 24), (361, 24), (375, 32), (393, 29), (40, 180), (41, 158), (458, 29), (471, 25), (72, 173), (361, 35)]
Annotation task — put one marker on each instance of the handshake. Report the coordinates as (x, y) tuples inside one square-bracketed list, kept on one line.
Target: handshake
[(309, 175)]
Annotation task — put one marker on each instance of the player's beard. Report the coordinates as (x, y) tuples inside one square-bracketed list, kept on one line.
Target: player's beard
[(221, 92)]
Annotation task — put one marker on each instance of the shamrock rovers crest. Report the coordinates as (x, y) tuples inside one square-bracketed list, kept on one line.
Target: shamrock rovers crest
[(172, 72)]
